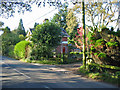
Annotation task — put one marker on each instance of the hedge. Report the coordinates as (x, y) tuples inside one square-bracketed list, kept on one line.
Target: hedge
[(19, 49)]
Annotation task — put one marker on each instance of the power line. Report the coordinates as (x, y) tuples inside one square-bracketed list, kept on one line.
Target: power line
[(41, 16)]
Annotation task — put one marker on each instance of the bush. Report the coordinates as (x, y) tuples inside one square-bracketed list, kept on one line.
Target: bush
[(8, 39), (11, 51), (99, 42), (92, 49), (112, 44), (19, 49), (102, 55)]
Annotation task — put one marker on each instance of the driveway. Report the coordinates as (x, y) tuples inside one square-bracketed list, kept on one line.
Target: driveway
[(17, 74)]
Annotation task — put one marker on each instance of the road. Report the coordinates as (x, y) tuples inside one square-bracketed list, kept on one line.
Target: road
[(17, 74)]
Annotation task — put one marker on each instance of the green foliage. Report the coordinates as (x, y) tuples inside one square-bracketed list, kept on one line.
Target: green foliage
[(36, 24), (51, 61), (19, 49), (105, 66), (92, 49), (45, 38), (95, 71), (6, 30), (112, 44), (102, 55), (95, 53), (101, 12), (22, 37), (72, 25), (60, 18), (99, 42), (93, 68), (118, 74), (8, 39), (11, 51), (118, 33), (21, 29), (94, 75)]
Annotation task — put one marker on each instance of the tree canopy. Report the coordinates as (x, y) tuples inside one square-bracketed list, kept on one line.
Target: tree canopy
[(9, 7), (8, 39), (45, 38), (101, 14), (72, 24), (60, 17), (21, 29)]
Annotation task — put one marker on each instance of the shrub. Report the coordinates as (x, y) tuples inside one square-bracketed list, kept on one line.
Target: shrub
[(95, 53), (22, 37), (11, 51), (19, 49), (92, 49), (112, 44), (99, 42), (102, 55)]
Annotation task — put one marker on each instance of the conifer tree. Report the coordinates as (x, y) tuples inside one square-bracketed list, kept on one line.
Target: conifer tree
[(21, 29)]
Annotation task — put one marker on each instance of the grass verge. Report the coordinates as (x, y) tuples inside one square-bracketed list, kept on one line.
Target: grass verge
[(51, 61), (101, 75)]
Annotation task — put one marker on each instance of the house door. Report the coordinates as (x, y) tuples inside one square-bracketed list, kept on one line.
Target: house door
[(63, 49)]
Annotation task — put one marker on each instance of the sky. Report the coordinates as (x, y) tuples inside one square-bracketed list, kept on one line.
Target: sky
[(29, 18)]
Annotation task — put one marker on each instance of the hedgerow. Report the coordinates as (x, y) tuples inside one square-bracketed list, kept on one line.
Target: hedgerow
[(19, 49)]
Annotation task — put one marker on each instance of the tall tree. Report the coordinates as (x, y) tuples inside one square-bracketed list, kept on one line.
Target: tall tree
[(72, 24), (100, 14), (36, 24), (45, 38), (60, 17), (8, 39), (6, 30), (21, 29)]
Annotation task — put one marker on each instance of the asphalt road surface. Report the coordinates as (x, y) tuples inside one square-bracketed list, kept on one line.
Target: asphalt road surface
[(17, 74)]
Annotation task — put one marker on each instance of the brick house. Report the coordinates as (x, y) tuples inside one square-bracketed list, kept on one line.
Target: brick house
[(63, 47)]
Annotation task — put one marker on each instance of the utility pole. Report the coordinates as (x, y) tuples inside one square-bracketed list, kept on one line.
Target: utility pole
[(83, 21), (119, 15)]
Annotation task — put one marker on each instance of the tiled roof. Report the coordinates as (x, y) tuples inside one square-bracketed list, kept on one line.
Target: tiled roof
[(64, 33)]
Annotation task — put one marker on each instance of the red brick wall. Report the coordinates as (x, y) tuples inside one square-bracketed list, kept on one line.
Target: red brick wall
[(58, 49), (64, 39)]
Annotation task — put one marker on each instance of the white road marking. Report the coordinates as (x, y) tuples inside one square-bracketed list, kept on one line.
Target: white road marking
[(16, 70), (21, 73)]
